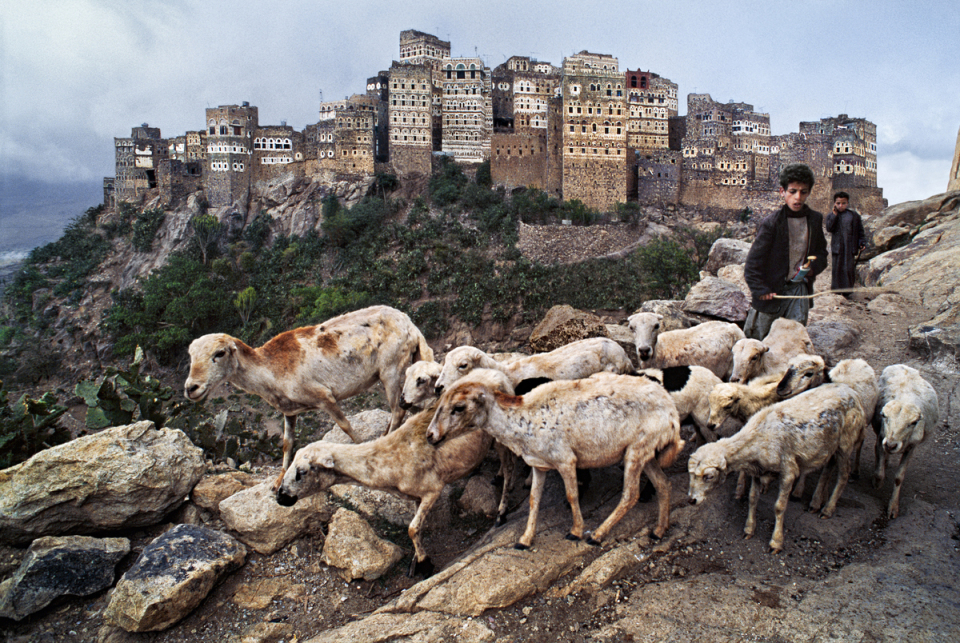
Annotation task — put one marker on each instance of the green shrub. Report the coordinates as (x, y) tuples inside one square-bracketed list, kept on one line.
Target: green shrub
[(29, 426), (145, 228)]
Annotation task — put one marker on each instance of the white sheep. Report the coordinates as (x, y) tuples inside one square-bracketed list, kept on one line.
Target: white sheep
[(314, 367), (908, 410), (709, 344), (690, 388), (804, 372), (753, 358), (402, 462), (572, 361), (562, 425), (789, 438), (860, 376)]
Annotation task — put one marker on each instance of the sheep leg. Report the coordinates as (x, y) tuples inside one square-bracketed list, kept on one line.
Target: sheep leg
[(780, 508), (289, 436), (893, 509), (880, 472), (508, 467), (568, 473), (820, 492), (855, 472), (662, 485), (393, 387), (799, 486), (328, 403), (741, 486), (421, 564), (536, 491), (842, 460), (751, 526)]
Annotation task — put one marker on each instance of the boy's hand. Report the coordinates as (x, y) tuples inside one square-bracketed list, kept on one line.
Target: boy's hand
[(768, 296)]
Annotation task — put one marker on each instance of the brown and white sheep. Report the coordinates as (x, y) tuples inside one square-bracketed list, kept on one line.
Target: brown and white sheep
[(709, 344), (314, 367), (562, 425), (789, 438), (753, 358), (907, 412), (575, 360), (804, 372), (402, 462)]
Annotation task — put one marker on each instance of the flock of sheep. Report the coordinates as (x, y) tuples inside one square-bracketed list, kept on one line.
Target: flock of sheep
[(581, 406)]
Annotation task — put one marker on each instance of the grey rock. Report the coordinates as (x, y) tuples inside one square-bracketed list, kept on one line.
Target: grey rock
[(831, 337), (718, 299), (725, 252), (421, 627), (674, 318), (171, 577), (355, 549), (261, 523), (58, 566), (563, 325), (122, 477)]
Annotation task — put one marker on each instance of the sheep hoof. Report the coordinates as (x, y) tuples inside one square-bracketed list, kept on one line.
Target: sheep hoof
[(500, 521), (593, 542), (521, 547), (422, 568), (572, 537), (655, 537)]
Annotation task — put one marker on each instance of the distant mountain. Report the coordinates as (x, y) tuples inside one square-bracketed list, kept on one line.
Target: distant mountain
[(33, 213)]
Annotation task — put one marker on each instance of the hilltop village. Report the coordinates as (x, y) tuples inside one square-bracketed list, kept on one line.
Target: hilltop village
[(586, 130)]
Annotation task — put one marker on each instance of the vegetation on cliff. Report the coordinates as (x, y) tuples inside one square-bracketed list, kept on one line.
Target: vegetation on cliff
[(450, 255)]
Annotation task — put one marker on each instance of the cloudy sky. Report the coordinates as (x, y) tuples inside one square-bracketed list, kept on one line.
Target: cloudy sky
[(76, 73)]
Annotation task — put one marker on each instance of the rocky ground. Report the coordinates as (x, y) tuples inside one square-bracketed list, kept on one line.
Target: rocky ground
[(855, 577)]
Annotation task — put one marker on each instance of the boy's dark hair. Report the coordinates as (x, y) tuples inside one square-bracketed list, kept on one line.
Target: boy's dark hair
[(796, 173), (841, 195)]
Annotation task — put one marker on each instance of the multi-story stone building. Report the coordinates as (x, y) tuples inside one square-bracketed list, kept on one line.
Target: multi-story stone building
[(227, 170), (418, 48), (595, 117), (467, 109), (137, 159), (345, 135), (411, 118), (652, 102), (527, 137)]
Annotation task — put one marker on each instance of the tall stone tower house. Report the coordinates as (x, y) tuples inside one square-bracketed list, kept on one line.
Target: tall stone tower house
[(137, 159), (467, 109), (595, 130), (226, 175)]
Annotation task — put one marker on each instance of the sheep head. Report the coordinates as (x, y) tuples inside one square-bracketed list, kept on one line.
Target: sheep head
[(803, 372), (723, 403), (458, 363), (708, 469), (313, 470), (213, 359), (902, 423), (645, 328), (419, 384), (747, 357)]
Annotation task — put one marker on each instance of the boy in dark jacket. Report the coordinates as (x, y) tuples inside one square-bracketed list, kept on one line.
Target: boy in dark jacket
[(788, 253), (847, 241)]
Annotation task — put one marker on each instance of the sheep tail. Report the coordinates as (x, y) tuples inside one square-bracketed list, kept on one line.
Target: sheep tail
[(668, 455)]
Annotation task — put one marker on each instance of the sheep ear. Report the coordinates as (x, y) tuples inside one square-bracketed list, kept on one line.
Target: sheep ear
[(766, 349), (327, 461)]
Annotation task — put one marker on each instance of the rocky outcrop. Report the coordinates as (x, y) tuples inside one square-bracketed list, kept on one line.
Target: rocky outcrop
[(60, 566), (171, 577), (122, 477), (717, 299), (261, 523), (563, 325)]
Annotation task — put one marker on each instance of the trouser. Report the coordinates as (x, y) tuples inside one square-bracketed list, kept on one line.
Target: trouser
[(757, 324)]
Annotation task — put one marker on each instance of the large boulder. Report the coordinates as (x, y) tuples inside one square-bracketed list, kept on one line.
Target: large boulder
[(562, 325), (355, 549), (674, 317), (265, 525), (58, 566), (910, 214), (122, 477), (718, 299), (725, 252), (171, 577)]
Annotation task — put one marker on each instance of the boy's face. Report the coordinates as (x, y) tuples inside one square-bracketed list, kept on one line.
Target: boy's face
[(840, 205), (795, 195)]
